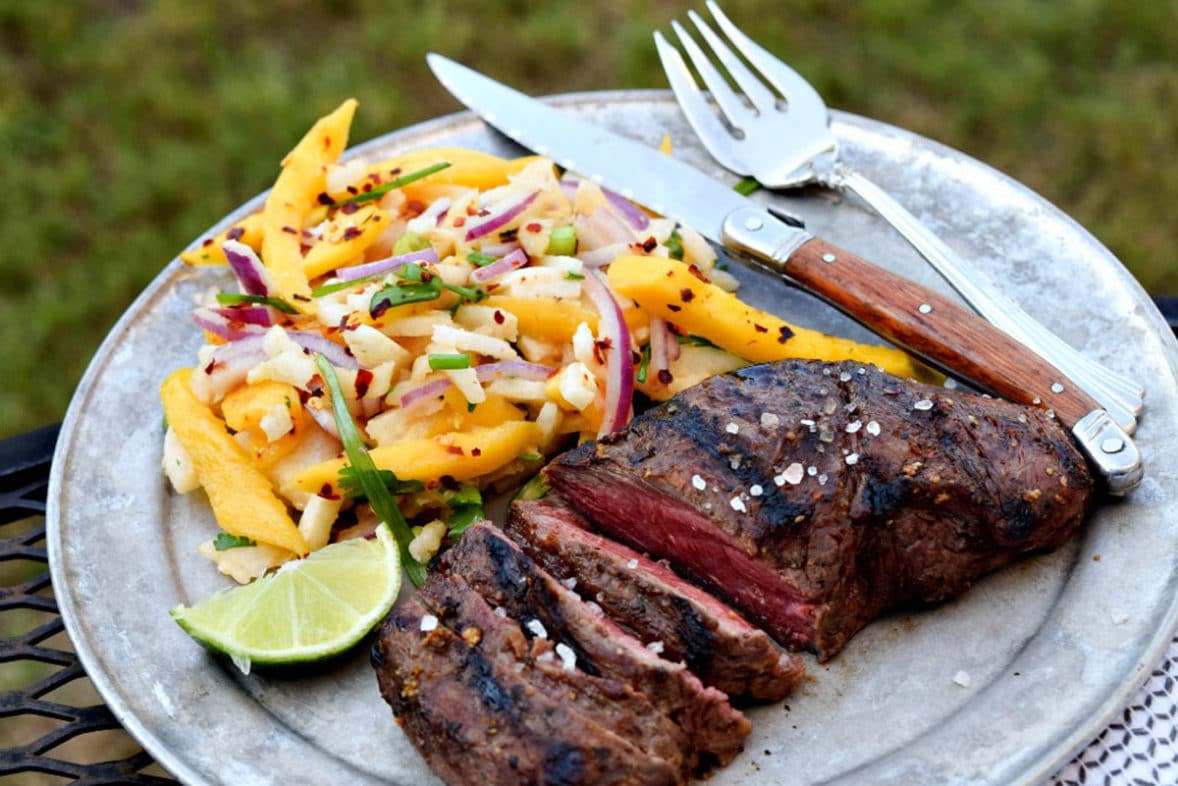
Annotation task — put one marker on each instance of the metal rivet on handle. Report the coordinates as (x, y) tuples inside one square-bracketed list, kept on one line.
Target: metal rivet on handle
[(752, 223), (1112, 445), (828, 257), (1056, 387), (925, 308)]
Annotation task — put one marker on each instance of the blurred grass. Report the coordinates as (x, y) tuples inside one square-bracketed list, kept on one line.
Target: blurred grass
[(127, 128)]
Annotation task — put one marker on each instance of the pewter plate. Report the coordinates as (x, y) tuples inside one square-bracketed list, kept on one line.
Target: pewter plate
[(1052, 647)]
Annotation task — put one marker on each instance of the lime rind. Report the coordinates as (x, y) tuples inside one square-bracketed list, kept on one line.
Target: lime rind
[(309, 610)]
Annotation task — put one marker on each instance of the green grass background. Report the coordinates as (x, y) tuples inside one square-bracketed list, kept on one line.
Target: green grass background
[(127, 128)]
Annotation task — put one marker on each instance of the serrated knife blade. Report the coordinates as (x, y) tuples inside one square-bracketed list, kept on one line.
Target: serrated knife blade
[(922, 321)]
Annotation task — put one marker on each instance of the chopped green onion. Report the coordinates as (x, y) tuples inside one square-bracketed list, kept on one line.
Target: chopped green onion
[(574, 276), (473, 294), (562, 241), (695, 341), (530, 458), (644, 366), (404, 180), (231, 299), (400, 294), (535, 488), (675, 246), (408, 243), (224, 541), (479, 259), (746, 186), (365, 471), (449, 362), (337, 286), (411, 272)]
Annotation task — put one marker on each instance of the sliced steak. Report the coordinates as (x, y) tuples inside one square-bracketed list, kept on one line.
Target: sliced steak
[(607, 704), (814, 496), (476, 720), (492, 564), (652, 604)]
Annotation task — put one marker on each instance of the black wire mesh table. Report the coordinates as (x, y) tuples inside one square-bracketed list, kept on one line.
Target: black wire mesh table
[(54, 728)]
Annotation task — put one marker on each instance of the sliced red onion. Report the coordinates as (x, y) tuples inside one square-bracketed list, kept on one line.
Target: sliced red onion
[(228, 328), (619, 363), (437, 210), (500, 218), (499, 249), (230, 363), (673, 347), (317, 342), (520, 369), (253, 315), (628, 210), (516, 259), (248, 268), (659, 356), (325, 418), (600, 257), (569, 187), (601, 228), (427, 255), (427, 390)]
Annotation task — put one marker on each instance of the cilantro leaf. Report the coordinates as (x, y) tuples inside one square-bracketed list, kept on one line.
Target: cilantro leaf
[(224, 541), (352, 486)]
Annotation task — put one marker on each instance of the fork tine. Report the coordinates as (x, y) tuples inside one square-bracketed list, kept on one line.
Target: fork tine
[(700, 114), (799, 94), (754, 89), (731, 107)]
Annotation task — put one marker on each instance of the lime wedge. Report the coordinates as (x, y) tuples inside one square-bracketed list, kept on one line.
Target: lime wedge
[(310, 609)]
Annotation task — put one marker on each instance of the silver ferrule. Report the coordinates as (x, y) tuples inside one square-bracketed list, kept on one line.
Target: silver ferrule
[(757, 233), (1111, 451)]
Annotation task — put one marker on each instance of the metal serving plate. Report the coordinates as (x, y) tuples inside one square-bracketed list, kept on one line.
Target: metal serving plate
[(1053, 647)]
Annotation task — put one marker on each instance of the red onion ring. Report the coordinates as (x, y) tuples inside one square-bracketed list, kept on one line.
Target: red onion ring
[(226, 327), (619, 363), (437, 210), (427, 390), (427, 255), (230, 363), (248, 268), (253, 315), (601, 228), (499, 249), (316, 342), (628, 210), (501, 218), (516, 259), (673, 347)]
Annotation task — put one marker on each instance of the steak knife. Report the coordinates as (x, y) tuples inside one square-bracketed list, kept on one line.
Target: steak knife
[(925, 323)]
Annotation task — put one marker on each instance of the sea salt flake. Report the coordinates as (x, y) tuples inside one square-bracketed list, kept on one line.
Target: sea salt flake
[(961, 678), (732, 428), (502, 612), (811, 471), (738, 505), (734, 462), (544, 657), (429, 622), (755, 490), (537, 629), (873, 428), (854, 426), (852, 459), (822, 479), (950, 383), (806, 422), (698, 482), (568, 658), (570, 582), (769, 420), (844, 377), (656, 647), (793, 474), (632, 564), (924, 405)]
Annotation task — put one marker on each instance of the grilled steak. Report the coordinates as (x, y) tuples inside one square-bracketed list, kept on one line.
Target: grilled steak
[(606, 704), (476, 719), (652, 604), (814, 496), (493, 565)]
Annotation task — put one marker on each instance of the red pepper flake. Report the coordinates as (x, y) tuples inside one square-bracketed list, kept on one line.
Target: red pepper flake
[(349, 208), (665, 376), (235, 233), (600, 347), (674, 307), (325, 199), (498, 317), (366, 188), (363, 381), (303, 298), (327, 492), (395, 171), (533, 227), (784, 334), (460, 221), (686, 295), (649, 244), (353, 190), (635, 357), (209, 368), (290, 230), (351, 233), (326, 142), (476, 452), (374, 177), (670, 273), (695, 271), (208, 241), (471, 210), (760, 328), (456, 450)]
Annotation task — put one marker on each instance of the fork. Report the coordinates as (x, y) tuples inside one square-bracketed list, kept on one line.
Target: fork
[(777, 129)]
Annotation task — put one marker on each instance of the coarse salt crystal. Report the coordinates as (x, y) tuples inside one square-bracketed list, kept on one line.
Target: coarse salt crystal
[(570, 582), (429, 622), (923, 405), (502, 612), (656, 647), (732, 428), (632, 564), (698, 482), (822, 479), (734, 462), (854, 426), (544, 657), (769, 420), (873, 428), (793, 474), (852, 459), (806, 422), (738, 504), (961, 678), (844, 377), (811, 471), (537, 629), (950, 383), (755, 490), (568, 658)]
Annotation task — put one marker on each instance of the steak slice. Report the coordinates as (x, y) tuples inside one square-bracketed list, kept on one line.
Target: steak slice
[(476, 720), (492, 564), (608, 704), (814, 496), (652, 604)]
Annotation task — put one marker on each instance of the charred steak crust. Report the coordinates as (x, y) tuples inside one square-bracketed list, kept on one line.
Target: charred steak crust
[(493, 565), (814, 496), (652, 604), (475, 720)]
